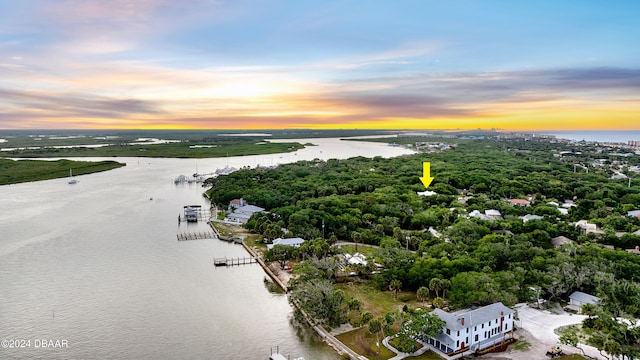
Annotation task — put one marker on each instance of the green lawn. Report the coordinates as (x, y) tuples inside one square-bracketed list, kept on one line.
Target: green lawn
[(368, 251), (364, 343), (378, 302)]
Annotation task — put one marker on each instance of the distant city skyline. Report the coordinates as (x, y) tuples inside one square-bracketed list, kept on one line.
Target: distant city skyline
[(269, 64)]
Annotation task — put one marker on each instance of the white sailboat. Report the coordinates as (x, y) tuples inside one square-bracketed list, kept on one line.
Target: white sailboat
[(71, 179)]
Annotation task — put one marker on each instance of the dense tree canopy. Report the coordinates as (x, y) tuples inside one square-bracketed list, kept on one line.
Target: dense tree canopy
[(375, 201)]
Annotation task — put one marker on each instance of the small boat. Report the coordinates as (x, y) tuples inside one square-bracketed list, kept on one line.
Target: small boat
[(71, 179)]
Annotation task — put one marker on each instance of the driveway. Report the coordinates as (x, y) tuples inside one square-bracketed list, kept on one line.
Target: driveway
[(536, 327)]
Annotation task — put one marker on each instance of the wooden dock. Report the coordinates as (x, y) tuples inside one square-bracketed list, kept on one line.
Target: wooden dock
[(234, 261), (196, 236)]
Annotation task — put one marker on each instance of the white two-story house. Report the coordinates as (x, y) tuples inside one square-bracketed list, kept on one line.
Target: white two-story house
[(472, 330)]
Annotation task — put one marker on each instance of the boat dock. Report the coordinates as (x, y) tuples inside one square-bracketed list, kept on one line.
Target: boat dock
[(194, 213), (234, 261), (277, 356), (196, 236)]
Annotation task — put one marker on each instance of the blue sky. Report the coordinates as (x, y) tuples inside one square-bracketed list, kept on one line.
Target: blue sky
[(530, 65)]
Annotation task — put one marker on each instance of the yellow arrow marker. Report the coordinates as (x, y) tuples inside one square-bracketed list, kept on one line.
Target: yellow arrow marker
[(426, 178)]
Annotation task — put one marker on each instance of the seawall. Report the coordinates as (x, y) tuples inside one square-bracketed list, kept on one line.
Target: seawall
[(266, 269), (325, 335)]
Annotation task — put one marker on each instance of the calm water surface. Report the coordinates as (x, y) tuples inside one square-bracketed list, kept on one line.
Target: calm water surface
[(97, 265)]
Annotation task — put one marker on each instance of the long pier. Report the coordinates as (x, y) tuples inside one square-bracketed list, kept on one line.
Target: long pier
[(196, 236), (234, 261)]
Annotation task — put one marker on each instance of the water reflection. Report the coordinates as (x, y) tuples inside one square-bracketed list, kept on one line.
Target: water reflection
[(99, 264)]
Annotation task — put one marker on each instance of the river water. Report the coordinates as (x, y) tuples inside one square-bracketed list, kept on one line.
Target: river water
[(96, 269)]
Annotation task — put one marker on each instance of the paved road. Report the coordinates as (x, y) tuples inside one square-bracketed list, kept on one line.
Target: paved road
[(540, 324)]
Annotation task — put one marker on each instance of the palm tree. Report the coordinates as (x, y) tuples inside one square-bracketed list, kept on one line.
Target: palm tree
[(423, 293), (445, 284), (395, 285), (354, 304), (438, 302), (366, 317), (435, 284), (356, 236), (375, 326)]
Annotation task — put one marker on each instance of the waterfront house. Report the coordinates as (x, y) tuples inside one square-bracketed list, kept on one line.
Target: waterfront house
[(472, 330), (295, 242), (242, 214), (239, 218), (578, 298), (236, 203)]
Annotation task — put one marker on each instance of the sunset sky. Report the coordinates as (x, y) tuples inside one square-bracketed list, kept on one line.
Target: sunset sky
[(267, 64)]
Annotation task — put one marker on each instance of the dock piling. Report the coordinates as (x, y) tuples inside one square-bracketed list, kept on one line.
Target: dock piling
[(196, 236), (234, 261)]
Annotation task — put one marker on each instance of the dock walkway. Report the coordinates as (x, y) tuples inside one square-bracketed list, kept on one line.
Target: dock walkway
[(234, 261), (196, 236)]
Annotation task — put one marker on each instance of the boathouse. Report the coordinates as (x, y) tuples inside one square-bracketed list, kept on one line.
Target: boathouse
[(191, 213)]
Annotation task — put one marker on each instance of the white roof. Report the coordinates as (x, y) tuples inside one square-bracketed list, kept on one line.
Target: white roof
[(585, 298), (531, 217), (633, 213), (249, 209), (426, 193), (357, 258), (288, 241), (479, 215), (560, 240), (473, 317), (434, 232), (239, 216)]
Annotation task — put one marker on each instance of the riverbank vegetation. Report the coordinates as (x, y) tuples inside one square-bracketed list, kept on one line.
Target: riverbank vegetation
[(183, 149), (18, 171), (158, 143), (469, 243)]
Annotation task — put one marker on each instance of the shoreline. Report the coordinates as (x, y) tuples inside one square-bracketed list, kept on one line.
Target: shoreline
[(266, 268), (325, 335)]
